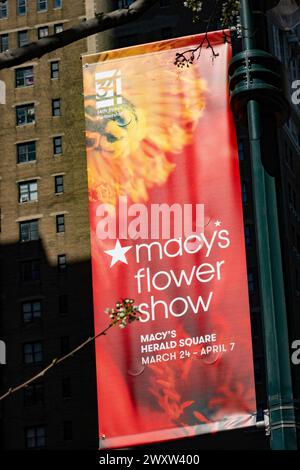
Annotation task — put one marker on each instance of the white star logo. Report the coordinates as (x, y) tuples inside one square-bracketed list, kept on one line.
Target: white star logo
[(118, 253), (218, 223)]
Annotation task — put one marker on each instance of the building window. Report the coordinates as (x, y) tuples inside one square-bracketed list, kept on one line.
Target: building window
[(63, 304), (251, 284), (248, 236), (29, 231), (42, 5), (26, 152), (57, 3), (54, 68), (66, 387), (59, 184), (4, 42), (22, 38), (35, 437), (58, 28), (244, 192), (62, 263), (34, 394), (68, 431), (21, 7), (28, 191), (124, 3), (64, 345), (31, 311), (3, 9), (167, 33), (24, 77), (57, 145), (43, 32), (56, 107), (32, 353), (25, 114), (165, 3), (30, 271), (241, 150), (60, 223)]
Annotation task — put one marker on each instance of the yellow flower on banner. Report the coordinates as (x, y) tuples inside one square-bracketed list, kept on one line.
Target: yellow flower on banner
[(130, 147)]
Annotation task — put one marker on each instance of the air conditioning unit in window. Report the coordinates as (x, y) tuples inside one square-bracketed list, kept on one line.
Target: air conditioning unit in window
[(24, 198)]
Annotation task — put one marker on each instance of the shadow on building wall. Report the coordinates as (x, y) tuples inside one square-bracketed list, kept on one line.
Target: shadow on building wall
[(46, 311)]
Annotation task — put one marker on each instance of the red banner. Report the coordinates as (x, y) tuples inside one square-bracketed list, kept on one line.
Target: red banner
[(167, 231)]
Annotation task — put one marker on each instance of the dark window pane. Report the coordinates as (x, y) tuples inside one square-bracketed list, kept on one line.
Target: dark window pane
[(29, 230), (248, 236), (251, 283), (241, 150), (62, 262), (35, 437), (57, 145), (59, 184), (124, 3), (32, 353), (60, 223), (4, 42), (21, 7), (3, 9), (22, 38), (165, 3), (26, 152), (54, 67), (25, 114), (244, 192), (34, 394), (30, 271), (31, 311), (56, 107), (42, 5)]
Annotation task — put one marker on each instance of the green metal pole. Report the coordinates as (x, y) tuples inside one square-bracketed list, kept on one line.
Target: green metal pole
[(279, 384)]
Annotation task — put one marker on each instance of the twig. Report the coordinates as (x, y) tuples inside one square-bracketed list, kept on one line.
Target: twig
[(187, 58), (118, 317)]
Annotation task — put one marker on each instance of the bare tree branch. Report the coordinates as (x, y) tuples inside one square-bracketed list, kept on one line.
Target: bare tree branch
[(123, 314), (55, 362), (101, 22)]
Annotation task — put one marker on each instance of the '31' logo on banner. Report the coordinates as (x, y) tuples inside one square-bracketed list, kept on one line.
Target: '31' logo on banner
[(108, 89)]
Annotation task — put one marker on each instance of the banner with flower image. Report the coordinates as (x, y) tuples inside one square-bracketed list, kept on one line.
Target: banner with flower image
[(167, 236)]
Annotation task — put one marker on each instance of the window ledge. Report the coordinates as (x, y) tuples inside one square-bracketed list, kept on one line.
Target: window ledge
[(27, 163), (27, 202), (24, 86), (25, 125)]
